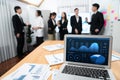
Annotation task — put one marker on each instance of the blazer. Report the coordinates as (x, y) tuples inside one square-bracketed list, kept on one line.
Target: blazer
[(97, 21), (63, 27), (51, 27), (75, 24), (18, 24)]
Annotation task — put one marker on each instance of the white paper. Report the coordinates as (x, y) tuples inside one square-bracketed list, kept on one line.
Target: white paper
[(54, 47), (54, 73), (30, 72), (115, 57), (54, 59)]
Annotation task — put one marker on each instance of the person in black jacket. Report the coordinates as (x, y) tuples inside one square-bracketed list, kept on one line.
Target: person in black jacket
[(76, 22), (97, 21), (62, 24), (18, 25), (51, 26)]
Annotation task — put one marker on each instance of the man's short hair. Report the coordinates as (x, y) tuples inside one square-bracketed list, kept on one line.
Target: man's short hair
[(96, 5), (76, 9), (16, 8)]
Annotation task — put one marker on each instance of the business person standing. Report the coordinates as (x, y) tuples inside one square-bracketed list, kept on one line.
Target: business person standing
[(97, 21), (18, 25), (62, 24), (51, 26), (76, 22), (38, 28)]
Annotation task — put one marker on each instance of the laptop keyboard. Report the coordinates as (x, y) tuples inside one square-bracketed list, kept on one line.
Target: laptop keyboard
[(86, 72)]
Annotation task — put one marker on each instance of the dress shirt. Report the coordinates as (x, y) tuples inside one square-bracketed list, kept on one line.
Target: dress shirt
[(77, 18), (38, 22), (54, 22)]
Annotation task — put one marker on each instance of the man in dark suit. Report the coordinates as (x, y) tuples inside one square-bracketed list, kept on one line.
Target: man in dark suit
[(76, 22), (97, 21), (18, 25)]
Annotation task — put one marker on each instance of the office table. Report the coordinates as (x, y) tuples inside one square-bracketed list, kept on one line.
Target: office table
[(37, 56)]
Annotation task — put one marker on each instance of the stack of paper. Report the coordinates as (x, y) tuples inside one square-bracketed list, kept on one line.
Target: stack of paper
[(30, 72), (54, 47), (54, 59)]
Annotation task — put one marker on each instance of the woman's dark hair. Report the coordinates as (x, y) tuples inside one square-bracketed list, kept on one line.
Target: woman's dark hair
[(50, 15), (65, 16), (39, 13), (54, 14), (16, 8)]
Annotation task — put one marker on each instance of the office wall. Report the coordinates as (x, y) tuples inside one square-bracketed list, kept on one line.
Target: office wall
[(116, 36), (49, 5)]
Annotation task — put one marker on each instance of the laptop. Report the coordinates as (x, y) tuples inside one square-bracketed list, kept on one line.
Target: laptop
[(86, 58)]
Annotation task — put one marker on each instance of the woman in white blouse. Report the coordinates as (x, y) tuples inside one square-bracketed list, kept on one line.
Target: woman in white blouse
[(38, 26)]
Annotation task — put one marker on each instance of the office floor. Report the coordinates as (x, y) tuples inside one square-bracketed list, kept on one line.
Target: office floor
[(6, 65)]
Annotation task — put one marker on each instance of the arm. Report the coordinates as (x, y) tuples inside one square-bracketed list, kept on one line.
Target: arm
[(49, 25), (66, 23), (15, 25), (24, 24), (72, 22), (81, 22), (87, 21), (59, 25), (101, 18)]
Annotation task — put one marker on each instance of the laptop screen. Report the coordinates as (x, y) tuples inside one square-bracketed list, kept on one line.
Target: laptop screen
[(87, 50)]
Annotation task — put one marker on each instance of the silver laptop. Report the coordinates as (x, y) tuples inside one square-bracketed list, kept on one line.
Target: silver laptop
[(86, 58)]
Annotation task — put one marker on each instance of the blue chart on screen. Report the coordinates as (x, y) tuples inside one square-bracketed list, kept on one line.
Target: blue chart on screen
[(97, 59), (94, 47)]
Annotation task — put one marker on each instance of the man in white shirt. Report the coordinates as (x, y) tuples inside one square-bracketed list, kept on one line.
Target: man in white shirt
[(38, 28)]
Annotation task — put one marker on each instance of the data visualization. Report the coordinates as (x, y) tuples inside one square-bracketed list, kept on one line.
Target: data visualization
[(88, 50)]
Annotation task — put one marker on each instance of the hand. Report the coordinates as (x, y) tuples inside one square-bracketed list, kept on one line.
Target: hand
[(58, 24), (27, 24), (76, 31), (49, 28), (35, 28), (18, 35), (86, 19), (96, 30)]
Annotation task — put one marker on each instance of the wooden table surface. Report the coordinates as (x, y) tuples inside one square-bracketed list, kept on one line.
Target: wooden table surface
[(37, 56)]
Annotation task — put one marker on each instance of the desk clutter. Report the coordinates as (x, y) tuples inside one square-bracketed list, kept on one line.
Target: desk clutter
[(30, 72), (54, 59), (53, 47), (115, 57)]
